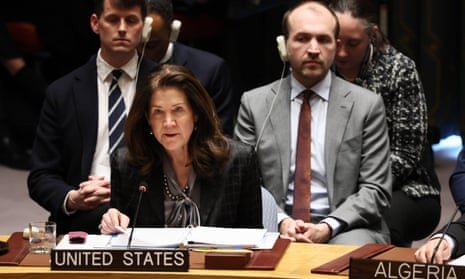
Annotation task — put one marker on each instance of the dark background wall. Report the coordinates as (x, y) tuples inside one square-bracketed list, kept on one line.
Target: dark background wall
[(243, 32), (429, 31), (432, 33)]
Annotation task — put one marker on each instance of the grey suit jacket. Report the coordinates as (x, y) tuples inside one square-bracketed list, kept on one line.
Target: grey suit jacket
[(356, 149)]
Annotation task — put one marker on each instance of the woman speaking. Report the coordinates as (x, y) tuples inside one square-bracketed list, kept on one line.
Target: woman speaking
[(192, 173)]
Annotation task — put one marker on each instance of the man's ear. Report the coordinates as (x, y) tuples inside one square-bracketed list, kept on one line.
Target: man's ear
[(374, 30), (94, 23)]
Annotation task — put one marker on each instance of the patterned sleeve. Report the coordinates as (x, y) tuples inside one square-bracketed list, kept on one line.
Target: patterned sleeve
[(406, 104)]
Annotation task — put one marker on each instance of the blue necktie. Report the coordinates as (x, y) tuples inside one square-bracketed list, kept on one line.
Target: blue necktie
[(116, 113)]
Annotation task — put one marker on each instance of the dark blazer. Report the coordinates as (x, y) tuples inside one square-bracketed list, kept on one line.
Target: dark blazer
[(457, 232), (457, 182), (212, 71), (231, 199), (65, 144)]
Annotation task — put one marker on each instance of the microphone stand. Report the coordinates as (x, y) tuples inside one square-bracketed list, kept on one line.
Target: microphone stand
[(142, 189), (446, 229)]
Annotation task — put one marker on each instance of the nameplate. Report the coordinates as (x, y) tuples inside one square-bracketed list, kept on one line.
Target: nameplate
[(121, 260), (369, 269)]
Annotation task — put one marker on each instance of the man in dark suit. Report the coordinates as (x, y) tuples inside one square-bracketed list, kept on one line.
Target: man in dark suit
[(70, 174), (350, 182), (210, 69), (453, 244)]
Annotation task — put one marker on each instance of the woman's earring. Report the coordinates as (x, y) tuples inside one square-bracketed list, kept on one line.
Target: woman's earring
[(151, 133)]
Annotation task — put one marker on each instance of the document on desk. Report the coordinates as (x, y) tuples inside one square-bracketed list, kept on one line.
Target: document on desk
[(207, 237), (458, 261), (93, 241)]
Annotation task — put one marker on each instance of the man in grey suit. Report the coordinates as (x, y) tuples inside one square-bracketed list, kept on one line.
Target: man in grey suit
[(350, 174)]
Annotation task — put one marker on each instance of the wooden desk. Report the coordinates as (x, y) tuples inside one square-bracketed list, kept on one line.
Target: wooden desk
[(296, 263)]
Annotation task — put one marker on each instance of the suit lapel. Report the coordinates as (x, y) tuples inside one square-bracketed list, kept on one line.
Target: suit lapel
[(178, 57), (339, 109), (85, 94), (280, 125)]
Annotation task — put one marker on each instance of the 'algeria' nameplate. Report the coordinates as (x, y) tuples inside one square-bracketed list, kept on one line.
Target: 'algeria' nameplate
[(121, 260), (384, 269)]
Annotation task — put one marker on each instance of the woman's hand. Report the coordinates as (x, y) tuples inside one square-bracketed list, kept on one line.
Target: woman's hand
[(111, 219), (425, 252)]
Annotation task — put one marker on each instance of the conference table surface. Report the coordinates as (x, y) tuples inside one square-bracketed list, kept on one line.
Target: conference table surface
[(296, 263)]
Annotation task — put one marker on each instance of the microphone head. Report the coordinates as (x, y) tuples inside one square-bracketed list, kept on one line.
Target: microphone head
[(142, 188)]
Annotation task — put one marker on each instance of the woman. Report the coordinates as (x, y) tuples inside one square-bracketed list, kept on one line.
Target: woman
[(366, 58), (193, 174)]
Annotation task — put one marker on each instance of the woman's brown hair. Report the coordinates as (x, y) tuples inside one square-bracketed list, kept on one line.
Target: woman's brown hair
[(208, 147)]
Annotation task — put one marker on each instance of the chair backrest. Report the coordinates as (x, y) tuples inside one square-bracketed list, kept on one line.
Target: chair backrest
[(270, 211)]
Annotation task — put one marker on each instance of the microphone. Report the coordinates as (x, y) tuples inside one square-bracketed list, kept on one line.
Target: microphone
[(142, 189), (444, 232)]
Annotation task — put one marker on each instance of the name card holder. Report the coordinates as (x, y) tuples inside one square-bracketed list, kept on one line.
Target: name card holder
[(121, 260), (340, 265), (385, 269)]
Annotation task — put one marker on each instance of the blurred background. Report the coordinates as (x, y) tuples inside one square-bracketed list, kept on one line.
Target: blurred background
[(55, 37)]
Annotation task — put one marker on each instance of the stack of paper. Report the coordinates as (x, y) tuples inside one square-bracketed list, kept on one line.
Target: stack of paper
[(198, 237), (192, 237)]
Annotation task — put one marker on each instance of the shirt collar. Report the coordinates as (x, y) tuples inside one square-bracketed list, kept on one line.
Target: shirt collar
[(104, 69), (168, 171), (321, 88), (168, 54)]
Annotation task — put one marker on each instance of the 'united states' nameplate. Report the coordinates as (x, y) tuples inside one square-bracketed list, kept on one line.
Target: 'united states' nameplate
[(121, 260)]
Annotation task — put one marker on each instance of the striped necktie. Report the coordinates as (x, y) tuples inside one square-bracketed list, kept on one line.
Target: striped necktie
[(116, 113)]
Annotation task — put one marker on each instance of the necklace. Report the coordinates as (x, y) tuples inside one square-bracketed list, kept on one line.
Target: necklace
[(171, 195)]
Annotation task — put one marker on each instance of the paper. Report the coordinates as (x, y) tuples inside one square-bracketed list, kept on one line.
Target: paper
[(93, 241), (458, 261), (268, 241), (192, 237), (226, 237), (199, 237), (152, 238)]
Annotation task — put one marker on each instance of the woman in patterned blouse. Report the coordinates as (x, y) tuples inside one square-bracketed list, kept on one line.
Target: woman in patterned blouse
[(366, 58)]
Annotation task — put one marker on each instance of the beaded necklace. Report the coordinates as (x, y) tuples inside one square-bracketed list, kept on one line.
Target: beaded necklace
[(171, 195)]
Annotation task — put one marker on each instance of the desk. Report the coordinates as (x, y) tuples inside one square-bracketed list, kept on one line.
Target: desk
[(296, 263)]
